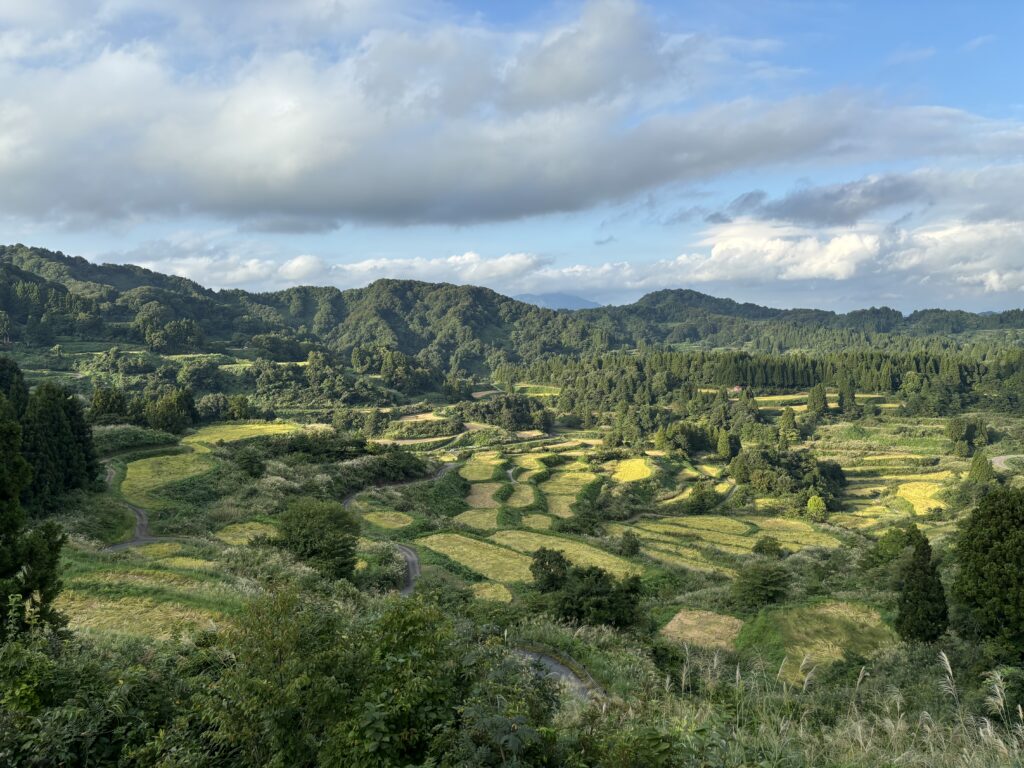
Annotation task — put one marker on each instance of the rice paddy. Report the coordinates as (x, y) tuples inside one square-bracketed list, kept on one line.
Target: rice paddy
[(481, 496), (388, 519), (820, 634), (539, 522), (631, 470), (522, 496), (493, 562), (238, 534), (481, 466), (704, 629), (481, 519), (576, 551)]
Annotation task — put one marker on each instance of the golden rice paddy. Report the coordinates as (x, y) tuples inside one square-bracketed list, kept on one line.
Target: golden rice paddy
[(481, 496), (492, 562), (704, 629), (576, 551)]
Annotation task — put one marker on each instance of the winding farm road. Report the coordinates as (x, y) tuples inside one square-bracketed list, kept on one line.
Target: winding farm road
[(573, 682), (1001, 462)]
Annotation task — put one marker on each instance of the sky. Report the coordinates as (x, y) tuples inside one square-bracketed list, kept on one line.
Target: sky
[(789, 152)]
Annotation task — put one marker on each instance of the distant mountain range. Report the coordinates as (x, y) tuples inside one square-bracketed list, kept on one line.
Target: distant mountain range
[(556, 301), (49, 296)]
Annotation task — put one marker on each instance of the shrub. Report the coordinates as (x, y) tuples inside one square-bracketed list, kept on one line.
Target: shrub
[(760, 583)]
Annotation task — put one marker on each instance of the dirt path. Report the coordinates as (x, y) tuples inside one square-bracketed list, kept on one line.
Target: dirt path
[(1002, 462), (577, 687), (141, 535), (412, 569)]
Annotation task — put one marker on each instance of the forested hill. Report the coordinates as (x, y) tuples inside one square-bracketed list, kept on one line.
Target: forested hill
[(46, 296)]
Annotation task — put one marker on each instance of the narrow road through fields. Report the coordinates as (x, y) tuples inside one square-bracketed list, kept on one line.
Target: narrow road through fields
[(1001, 462), (558, 670)]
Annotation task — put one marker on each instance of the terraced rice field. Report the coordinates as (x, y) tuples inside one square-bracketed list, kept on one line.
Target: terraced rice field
[(242, 533), (490, 561), (631, 470), (704, 629), (576, 551), (822, 634), (679, 537), (388, 519), (481, 496), (156, 591), (481, 519), (522, 496), (539, 522), (683, 495), (490, 590), (480, 466), (564, 483), (561, 506)]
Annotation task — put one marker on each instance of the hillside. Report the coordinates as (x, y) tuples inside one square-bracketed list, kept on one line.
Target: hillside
[(49, 295)]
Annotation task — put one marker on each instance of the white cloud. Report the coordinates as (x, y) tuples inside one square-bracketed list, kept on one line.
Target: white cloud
[(302, 267), (356, 114)]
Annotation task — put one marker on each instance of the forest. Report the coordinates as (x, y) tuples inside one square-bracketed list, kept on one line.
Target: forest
[(421, 524)]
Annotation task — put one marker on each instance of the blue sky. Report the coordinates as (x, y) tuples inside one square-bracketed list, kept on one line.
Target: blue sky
[(830, 154)]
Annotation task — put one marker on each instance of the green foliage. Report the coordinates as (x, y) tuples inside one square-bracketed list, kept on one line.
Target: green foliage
[(981, 471), (760, 583), (817, 510), (989, 588), (57, 443), (922, 612), (768, 546), (592, 596), (29, 558), (323, 533), (817, 401), (550, 569)]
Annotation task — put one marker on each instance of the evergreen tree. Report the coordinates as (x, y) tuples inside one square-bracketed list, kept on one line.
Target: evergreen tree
[(923, 614), (981, 470), (848, 397), (49, 446), (817, 401), (29, 560), (989, 586), (550, 569), (12, 385), (817, 510), (724, 444)]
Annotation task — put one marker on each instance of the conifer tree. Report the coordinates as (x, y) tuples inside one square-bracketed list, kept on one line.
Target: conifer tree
[(817, 401), (923, 614), (981, 469), (29, 560)]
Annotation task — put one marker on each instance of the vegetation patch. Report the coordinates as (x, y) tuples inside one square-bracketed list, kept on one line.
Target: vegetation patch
[(480, 467), (522, 496), (704, 629), (238, 534), (493, 562), (819, 634), (493, 591), (135, 616), (541, 522)]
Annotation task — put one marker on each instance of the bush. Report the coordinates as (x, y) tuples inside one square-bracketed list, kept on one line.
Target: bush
[(760, 583), (323, 533)]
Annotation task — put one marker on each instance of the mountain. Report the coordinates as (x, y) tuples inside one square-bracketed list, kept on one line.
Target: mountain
[(50, 296), (556, 301)]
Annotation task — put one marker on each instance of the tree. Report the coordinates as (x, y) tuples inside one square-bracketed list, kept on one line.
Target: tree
[(989, 585), (174, 411), (760, 583), (817, 510), (629, 545), (323, 533), (591, 596), (848, 397), (981, 470), (29, 559), (550, 569), (12, 385), (922, 612), (57, 443), (724, 444), (768, 546), (817, 401)]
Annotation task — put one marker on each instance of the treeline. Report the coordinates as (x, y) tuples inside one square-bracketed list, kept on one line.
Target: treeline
[(932, 381)]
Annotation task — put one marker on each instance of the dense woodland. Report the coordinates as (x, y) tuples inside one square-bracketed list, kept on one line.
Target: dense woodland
[(337, 427)]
